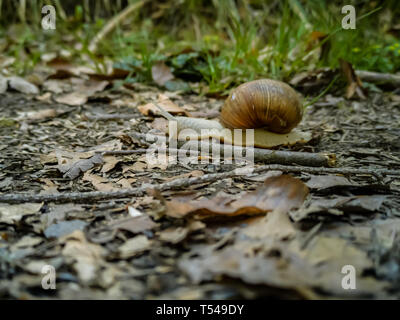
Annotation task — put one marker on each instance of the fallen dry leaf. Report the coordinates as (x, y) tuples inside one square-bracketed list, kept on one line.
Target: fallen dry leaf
[(134, 224), (109, 163), (56, 86), (59, 212), (133, 212), (160, 124), (65, 69), (175, 235), (46, 97), (161, 73), (82, 92), (11, 214), (26, 242), (332, 250), (63, 228), (73, 163), (73, 98), (126, 183), (354, 84), (138, 166), (134, 246), (87, 257), (100, 183), (49, 188), (339, 205), (278, 193), (275, 225), (290, 269), (165, 103), (319, 182)]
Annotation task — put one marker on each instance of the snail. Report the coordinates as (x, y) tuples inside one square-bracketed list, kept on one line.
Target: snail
[(270, 107), (264, 103)]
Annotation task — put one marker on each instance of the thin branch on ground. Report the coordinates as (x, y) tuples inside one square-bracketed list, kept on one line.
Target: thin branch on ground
[(184, 183), (262, 155), (377, 77)]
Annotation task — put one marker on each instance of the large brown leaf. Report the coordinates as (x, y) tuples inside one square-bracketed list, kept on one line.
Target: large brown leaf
[(278, 193)]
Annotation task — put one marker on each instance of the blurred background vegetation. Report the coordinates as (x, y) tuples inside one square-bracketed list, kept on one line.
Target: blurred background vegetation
[(218, 43)]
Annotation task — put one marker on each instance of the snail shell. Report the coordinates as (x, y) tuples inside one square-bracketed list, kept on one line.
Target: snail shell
[(264, 103)]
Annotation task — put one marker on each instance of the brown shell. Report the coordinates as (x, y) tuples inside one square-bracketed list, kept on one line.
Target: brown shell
[(264, 103)]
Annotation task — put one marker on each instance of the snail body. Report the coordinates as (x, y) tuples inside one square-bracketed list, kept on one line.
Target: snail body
[(264, 103), (270, 107)]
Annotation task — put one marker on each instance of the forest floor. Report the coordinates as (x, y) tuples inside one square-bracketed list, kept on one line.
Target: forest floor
[(105, 249)]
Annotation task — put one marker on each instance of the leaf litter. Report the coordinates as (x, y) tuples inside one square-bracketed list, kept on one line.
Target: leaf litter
[(268, 235)]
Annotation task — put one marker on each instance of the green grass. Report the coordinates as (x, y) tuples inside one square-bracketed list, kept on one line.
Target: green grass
[(220, 43)]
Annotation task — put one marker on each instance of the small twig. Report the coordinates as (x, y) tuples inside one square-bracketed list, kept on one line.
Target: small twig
[(127, 152), (113, 23), (106, 117), (310, 235), (182, 183), (377, 77), (262, 155)]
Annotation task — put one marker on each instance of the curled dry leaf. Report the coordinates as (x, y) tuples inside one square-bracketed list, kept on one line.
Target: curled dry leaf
[(165, 103), (134, 246), (83, 90), (354, 84), (278, 193)]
